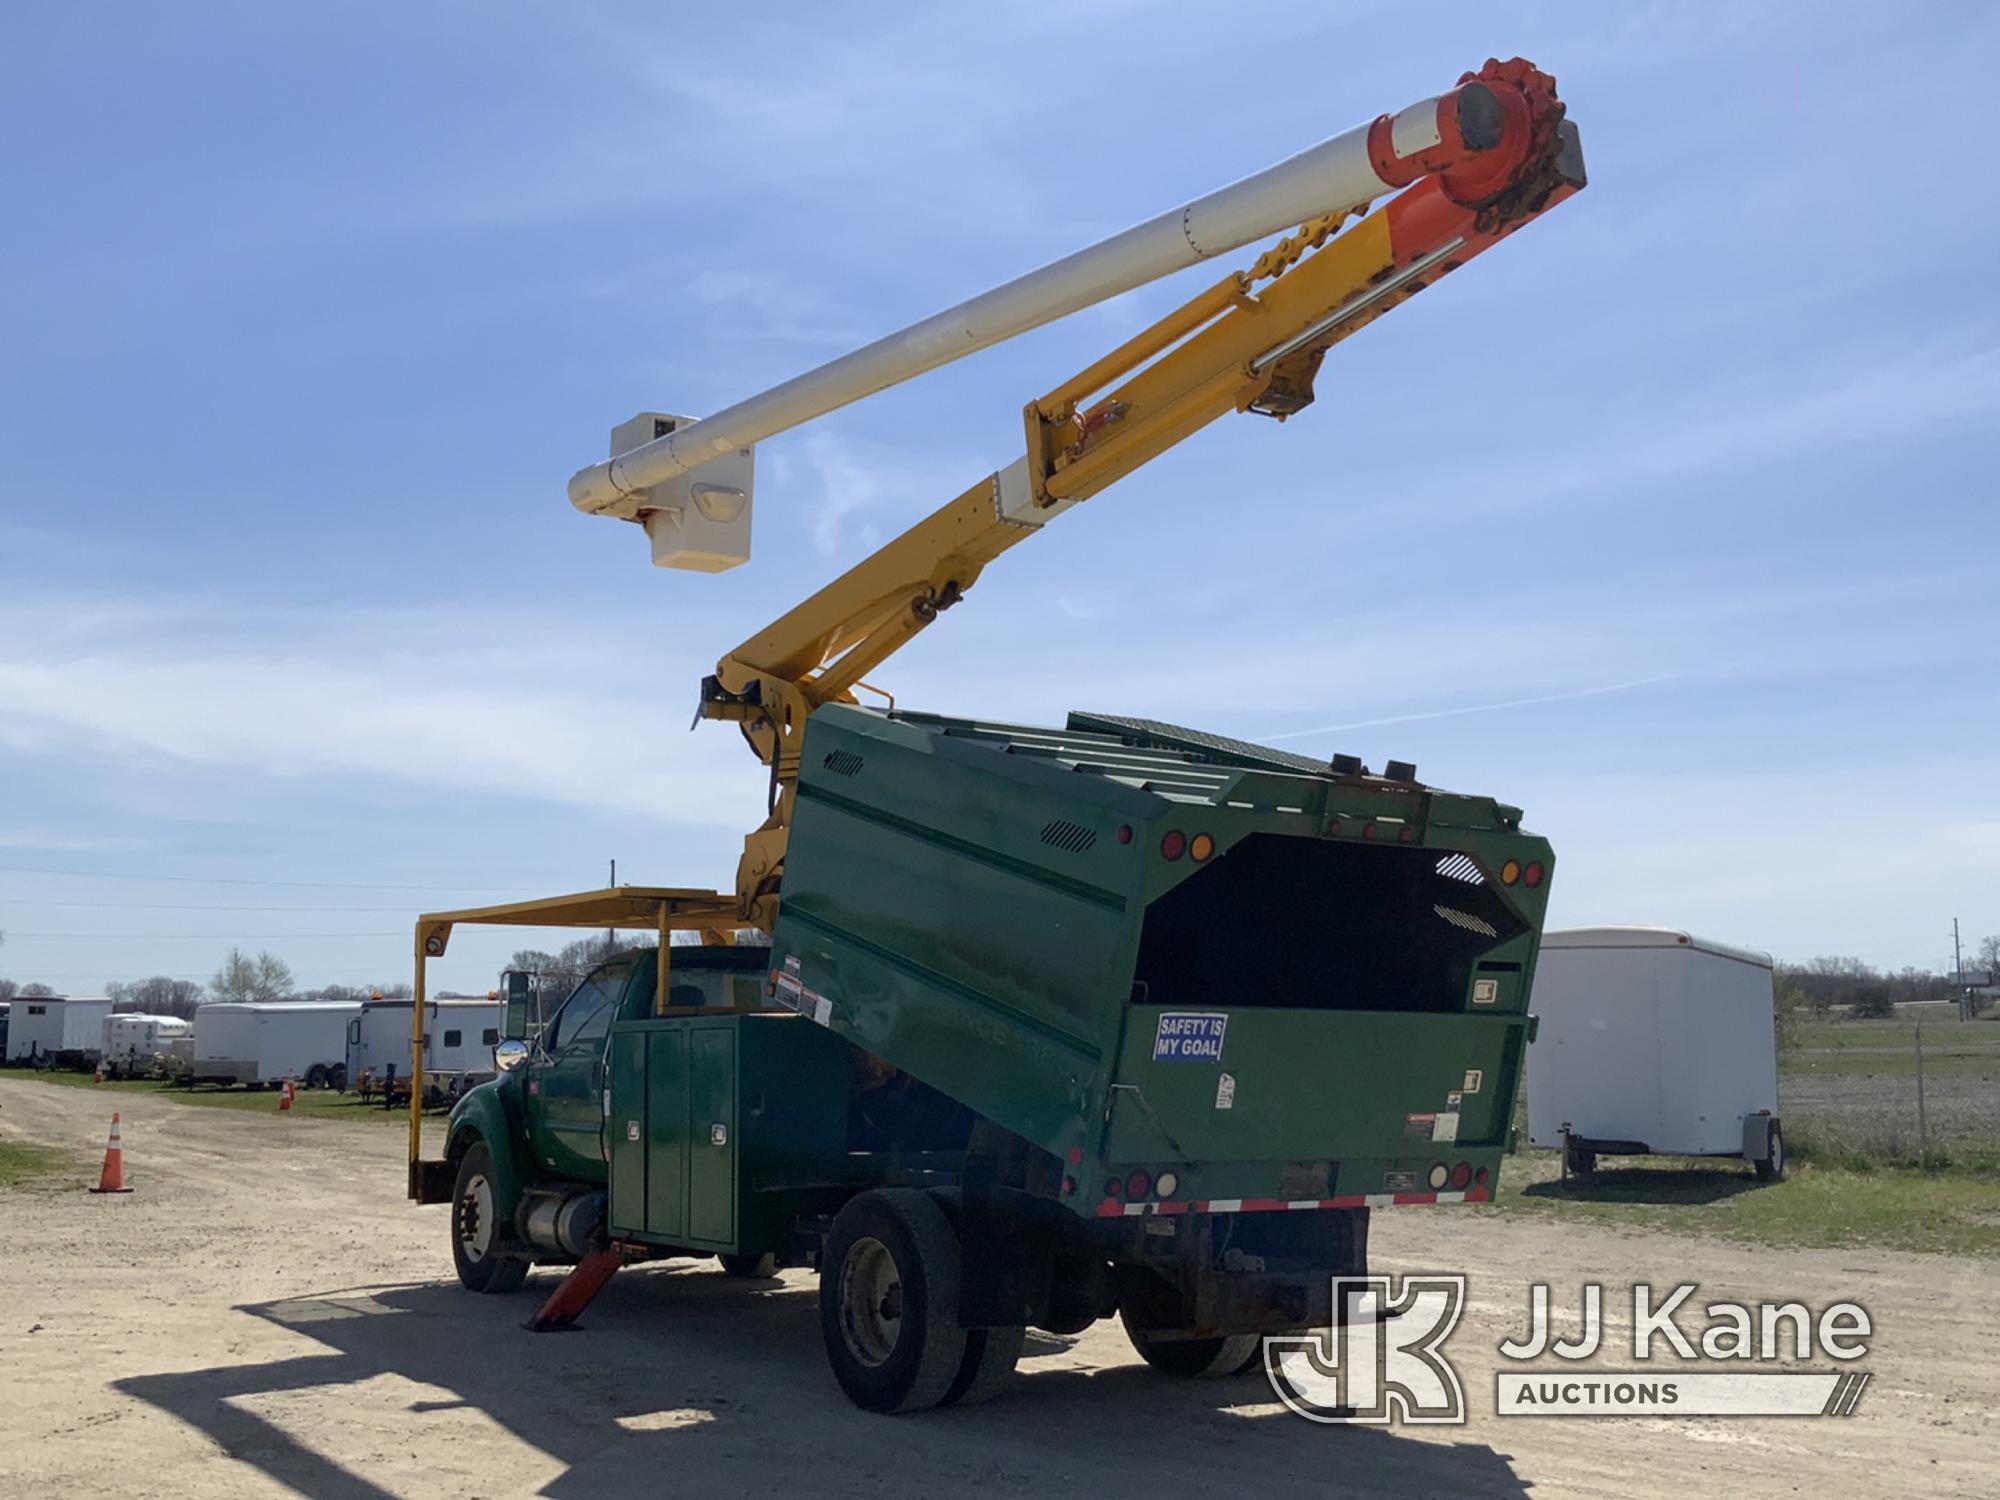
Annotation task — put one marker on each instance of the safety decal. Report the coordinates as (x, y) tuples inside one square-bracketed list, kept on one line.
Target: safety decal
[(1419, 1127), (1225, 1091), (1474, 1077), (1190, 1036)]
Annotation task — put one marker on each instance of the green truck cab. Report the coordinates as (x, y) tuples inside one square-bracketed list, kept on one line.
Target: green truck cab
[(1116, 1019)]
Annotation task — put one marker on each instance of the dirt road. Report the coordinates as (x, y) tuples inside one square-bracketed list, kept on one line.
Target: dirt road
[(265, 1313)]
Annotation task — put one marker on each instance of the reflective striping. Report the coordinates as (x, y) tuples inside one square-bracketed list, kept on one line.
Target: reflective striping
[(1111, 1208)]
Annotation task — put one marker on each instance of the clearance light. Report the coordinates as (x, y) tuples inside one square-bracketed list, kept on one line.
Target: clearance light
[(1167, 1184), (1201, 847), (1532, 876), (1139, 1184), (1069, 1186), (1440, 1175), (1480, 1177), (1124, 833), (1114, 1187), (1174, 845), (1510, 872)]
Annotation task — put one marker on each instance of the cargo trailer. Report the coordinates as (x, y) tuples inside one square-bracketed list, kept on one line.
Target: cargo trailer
[(57, 1031), (261, 1042), (459, 1037), (1653, 1042), (136, 1044)]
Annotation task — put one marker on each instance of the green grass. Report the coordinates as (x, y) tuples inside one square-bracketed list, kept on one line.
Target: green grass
[(315, 1104), (26, 1164), (1818, 1205)]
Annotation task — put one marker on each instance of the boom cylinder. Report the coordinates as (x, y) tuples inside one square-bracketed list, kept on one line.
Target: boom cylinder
[(1475, 136)]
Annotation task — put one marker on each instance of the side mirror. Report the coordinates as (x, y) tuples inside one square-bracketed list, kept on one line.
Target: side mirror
[(517, 990), (510, 1054)]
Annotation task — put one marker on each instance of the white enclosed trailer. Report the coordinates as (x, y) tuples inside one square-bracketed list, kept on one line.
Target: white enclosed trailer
[(459, 1037), (134, 1041), (59, 1031), (1652, 1041), (268, 1041)]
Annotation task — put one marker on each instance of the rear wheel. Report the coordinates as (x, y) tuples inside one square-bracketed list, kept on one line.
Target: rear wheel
[(750, 1267), (1184, 1358), (888, 1297), (1578, 1162), (990, 1357), (316, 1076), (1772, 1167), (475, 1229)]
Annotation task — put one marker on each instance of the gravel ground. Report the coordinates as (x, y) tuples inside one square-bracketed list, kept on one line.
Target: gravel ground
[(265, 1315)]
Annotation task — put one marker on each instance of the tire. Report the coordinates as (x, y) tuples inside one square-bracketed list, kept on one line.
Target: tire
[(336, 1078), (988, 1366), (1193, 1359), (750, 1267), (1772, 1167), (1579, 1162), (316, 1076), (475, 1229), (888, 1298)]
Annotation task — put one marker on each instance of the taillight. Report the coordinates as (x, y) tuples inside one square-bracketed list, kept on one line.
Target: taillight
[(1113, 1188), (1532, 876), (1461, 1175), (1201, 847), (1174, 845), (1139, 1184), (1510, 872)]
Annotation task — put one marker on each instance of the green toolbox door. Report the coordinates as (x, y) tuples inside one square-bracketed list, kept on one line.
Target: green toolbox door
[(627, 1131), (711, 1100), (666, 1132)]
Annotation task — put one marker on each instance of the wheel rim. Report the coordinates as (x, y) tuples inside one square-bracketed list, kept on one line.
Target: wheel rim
[(871, 1301), (475, 1219), (1777, 1152)]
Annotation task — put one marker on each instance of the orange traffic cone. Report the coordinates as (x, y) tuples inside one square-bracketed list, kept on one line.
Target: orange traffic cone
[(98, 1077), (113, 1178), (285, 1097)]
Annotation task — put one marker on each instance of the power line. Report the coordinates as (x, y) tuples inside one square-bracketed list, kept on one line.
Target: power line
[(193, 906), (330, 885)]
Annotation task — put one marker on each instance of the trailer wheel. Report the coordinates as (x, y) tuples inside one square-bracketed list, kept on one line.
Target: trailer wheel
[(1578, 1162), (750, 1267), (336, 1078), (316, 1076), (990, 1357), (888, 1293), (1772, 1167), (1192, 1359), (475, 1229)]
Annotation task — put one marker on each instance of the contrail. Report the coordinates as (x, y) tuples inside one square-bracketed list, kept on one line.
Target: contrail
[(1479, 708)]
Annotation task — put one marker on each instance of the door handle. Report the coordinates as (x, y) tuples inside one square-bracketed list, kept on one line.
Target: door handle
[(718, 1135)]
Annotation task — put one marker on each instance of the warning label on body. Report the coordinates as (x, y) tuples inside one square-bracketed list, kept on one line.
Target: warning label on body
[(1190, 1036)]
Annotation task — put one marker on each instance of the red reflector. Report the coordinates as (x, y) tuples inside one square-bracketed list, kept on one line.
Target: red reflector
[(1368, 832), (1124, 833), (1532, 876), (1069, 1186), (1076, 1156), (1480, 1177), (1139, 1184), (1174, 845), (1408, 835), (1113, 1188), (1461, 1175)]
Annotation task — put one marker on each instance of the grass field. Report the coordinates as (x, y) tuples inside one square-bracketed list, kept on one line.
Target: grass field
[(1848, 1091), (27, 1164), (320, 1104), (1815, 1206)]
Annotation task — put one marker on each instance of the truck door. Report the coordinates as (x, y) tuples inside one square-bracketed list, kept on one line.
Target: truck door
[(566, 1077)]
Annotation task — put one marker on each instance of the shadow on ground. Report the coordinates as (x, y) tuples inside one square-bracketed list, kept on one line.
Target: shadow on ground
[(1657, 1185), (684, 1380)]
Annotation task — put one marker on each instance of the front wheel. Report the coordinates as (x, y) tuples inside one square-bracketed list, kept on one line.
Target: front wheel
[(475, 1229), (888, 1299)]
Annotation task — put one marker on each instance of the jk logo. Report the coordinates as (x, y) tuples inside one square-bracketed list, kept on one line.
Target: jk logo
[(1382, 1359)]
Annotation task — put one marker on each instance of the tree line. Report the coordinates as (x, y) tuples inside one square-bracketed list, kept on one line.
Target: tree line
[(241, 976), (1822, 984)]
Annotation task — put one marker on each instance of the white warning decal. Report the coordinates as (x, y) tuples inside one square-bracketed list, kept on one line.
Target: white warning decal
[(1225, 1091)]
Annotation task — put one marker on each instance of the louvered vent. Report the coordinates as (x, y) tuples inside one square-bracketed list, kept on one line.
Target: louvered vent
[(1461, 867), (1467, 921), (1071, 838), (842, 762)]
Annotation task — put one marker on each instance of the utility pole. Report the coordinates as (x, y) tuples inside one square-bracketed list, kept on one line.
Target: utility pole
[(1958, 975)]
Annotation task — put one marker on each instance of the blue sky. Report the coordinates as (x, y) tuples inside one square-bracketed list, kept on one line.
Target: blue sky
[(1671, 520)]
